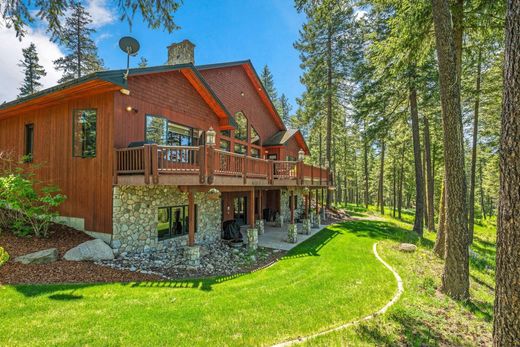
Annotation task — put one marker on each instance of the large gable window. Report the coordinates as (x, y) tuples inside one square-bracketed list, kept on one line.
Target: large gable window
[(84, 133), (161, 131), (255, 138), (241, 130)]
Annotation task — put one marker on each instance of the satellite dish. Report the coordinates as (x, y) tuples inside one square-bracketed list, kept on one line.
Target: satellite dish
[(130, 46)]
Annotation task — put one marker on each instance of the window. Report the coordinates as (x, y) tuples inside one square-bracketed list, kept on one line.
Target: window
[(29, 142), (172, 221), (163, 132), (155, 130), (225, 145), (84, 133), (241, 130), (255, 138), (239, 148), (226, 133), (255, 152)]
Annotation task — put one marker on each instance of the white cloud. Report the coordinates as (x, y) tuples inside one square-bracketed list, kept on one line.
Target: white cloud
[(100, 12), (11, 75)]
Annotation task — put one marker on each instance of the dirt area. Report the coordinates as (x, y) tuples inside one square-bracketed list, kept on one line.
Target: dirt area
[(61, 271)]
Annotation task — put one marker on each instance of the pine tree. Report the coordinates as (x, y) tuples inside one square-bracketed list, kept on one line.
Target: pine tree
[(143, 63), (268, 81), (284, 109), (82, 55), (32, 70)]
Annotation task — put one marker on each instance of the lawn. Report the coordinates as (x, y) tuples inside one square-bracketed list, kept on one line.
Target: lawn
[(423, 316), (330, 279)]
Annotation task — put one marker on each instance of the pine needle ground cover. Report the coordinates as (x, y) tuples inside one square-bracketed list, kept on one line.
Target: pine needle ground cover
[(330, 279)]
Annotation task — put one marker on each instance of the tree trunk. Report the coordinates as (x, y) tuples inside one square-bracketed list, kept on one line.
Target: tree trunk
[(506, 330), (455, 278), (419, 196), (400, 189), (429, 177), (329, 104), (471, 203), (394, 187), (381, 179), (440, 241), (482, 205), (365, 149)]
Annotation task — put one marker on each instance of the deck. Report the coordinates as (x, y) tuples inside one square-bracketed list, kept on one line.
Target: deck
[(205, 165)]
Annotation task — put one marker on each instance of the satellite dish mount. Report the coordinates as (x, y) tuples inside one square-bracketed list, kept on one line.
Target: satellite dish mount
[(130, 46)]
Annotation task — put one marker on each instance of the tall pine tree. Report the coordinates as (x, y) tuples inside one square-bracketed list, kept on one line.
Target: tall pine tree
[(268, 81), (32, 70), (284, 109), (82, 57)]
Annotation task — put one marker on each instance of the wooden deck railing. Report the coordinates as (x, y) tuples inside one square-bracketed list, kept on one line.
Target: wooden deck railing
[(207, 162)]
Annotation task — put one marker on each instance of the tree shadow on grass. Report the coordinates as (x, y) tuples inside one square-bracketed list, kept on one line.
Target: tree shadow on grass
[(480, 309), (312, 246)]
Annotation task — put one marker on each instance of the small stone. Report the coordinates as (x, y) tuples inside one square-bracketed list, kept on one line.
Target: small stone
[(407, 247), (253, 257), (133, 268)]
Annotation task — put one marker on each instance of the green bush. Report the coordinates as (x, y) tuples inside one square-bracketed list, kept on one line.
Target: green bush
[(4, 257), (27, 205)]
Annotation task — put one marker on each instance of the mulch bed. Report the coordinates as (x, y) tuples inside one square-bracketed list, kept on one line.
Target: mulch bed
[(61, 271)]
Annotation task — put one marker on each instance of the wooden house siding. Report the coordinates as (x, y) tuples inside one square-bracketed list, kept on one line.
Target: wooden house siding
[(167, 94), (87, 182), (229, 83)]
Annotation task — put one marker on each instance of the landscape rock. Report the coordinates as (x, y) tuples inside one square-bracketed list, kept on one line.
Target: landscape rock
[(41, 257), (93, 250), (407, 247)]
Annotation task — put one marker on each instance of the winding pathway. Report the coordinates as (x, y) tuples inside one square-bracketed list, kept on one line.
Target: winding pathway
[(394, 299)]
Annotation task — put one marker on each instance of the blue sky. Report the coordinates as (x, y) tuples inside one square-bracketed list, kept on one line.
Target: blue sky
[(225, 30)]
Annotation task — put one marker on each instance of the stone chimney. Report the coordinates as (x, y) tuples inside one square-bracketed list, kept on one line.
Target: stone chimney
[(181, 53)]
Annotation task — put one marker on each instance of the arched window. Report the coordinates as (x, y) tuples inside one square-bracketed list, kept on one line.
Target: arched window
[(255, 138), (241, 130)]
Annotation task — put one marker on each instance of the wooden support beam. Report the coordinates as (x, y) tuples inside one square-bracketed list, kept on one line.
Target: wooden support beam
[(292, 207), (147, 164), (251, 209), (317, 202), (191, 219)]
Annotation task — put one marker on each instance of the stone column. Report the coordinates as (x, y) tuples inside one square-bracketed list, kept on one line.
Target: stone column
[(279, 221), (192, 254), (260, 226), (306, 228), (317, 221), (292, 233), (252, 239)]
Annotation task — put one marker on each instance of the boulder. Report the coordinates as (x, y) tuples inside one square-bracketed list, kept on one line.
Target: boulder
[(407, 247), (93, 250), (41, 257)]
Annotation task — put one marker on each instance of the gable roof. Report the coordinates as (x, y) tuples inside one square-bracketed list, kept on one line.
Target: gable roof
[(281, 138), (257, 83), (113, 80)]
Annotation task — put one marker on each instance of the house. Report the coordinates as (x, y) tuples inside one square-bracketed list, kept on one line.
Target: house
[(163, 156)]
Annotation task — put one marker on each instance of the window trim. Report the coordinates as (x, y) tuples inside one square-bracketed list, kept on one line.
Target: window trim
[(74, 131)]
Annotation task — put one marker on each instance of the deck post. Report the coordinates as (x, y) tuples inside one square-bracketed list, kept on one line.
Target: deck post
[(203, 154), (292, 207), (251, 209), (244, 168), (317, 202), (146, 164), (155, 164), (191, 219), (210, 166)]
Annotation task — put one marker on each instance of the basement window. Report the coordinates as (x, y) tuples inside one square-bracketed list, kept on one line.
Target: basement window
[(173, 221), (84, 133)]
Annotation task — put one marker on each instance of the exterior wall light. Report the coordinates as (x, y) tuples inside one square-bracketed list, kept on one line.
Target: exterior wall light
[(131, 109), (210, 137), (301, 155)]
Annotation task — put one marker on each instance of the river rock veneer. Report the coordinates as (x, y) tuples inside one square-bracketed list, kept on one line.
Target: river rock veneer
[(215, 260)]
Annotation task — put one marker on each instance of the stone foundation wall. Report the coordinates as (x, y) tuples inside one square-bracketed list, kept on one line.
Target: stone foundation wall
[(285, 211), (135, 210)]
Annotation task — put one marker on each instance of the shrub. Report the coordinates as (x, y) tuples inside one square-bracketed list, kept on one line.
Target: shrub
[(27, 205), (4, 257)]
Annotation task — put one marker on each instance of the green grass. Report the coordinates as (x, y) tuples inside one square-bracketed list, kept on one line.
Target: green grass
[(423, 316), (4, 256), (330, 279)]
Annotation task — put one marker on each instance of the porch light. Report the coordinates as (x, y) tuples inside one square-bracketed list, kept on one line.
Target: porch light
[(301, 155), (131, 109), (210, 137)]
